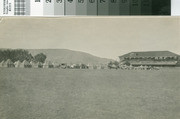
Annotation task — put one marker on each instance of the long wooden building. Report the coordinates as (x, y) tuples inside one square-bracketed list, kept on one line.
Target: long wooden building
[(151, 58)]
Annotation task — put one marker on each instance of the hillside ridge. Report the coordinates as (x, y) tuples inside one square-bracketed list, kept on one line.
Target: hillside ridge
[(70, 56)]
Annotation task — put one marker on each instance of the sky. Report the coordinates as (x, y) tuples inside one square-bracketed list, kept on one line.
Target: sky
[(107, 37)]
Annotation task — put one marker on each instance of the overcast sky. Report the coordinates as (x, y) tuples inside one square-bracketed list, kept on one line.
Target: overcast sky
[(100, 36)]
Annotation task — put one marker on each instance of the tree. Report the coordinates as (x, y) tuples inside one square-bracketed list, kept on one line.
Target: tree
[(113, 65), (40, 58), (116, 63), (15, 55), (110, 64)]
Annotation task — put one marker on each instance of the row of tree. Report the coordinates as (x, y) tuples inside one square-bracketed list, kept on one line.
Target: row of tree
[(21, 55)]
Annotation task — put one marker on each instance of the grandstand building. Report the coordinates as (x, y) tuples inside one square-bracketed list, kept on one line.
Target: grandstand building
[(151, 58)]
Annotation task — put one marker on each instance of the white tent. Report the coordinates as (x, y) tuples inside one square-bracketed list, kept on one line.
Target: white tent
[(8, 63), (2, 63), (56, 65), (25, 64), (36, 64), (47, 64), (17, 64)]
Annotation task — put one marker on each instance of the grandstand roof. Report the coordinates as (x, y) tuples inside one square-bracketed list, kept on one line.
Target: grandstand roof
[(150, 54)]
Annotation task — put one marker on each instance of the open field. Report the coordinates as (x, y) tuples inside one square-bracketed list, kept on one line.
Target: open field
[(89, 94)]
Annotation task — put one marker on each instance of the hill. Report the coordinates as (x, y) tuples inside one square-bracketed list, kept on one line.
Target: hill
[(69, 56)]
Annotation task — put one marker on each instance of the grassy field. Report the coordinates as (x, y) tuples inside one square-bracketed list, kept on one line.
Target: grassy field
[(89, 94)]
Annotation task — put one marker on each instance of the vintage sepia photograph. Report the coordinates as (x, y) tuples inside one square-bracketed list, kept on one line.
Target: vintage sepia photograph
[(90, 67)]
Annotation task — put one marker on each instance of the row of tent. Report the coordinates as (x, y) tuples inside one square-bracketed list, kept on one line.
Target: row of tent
[(24, 64), (48, 64)]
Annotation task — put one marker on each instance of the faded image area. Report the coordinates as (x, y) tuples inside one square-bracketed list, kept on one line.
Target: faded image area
[(89, 68)]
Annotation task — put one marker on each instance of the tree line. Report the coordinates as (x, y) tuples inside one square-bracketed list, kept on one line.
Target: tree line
[(21, 55)]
